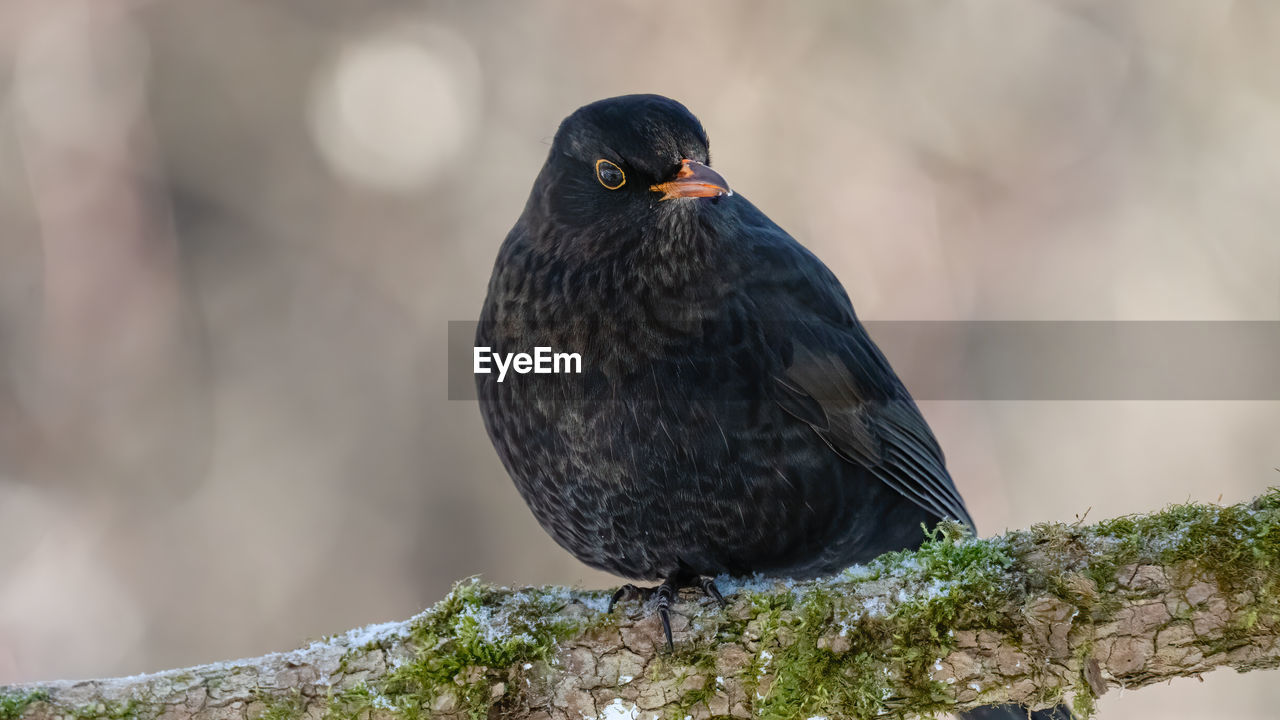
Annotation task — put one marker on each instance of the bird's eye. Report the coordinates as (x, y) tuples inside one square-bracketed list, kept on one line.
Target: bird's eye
[(610, 175)]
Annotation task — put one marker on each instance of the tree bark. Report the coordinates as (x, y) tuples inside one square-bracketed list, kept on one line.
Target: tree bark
[(1056, 612)]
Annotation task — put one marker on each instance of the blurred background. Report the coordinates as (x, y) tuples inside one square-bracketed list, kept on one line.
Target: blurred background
[(232, 234)]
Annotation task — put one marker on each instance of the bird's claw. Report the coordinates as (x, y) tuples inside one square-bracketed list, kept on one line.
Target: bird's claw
[(664, 596), (710, 590), (630, 592)]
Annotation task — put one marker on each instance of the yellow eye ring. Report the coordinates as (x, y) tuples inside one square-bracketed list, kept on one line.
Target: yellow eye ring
[(610, 175)]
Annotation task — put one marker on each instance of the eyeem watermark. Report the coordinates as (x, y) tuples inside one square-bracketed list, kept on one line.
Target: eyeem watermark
[(1005, 360), (543, 361)]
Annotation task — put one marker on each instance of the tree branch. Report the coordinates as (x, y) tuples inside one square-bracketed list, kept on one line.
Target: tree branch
[(1033, 617)]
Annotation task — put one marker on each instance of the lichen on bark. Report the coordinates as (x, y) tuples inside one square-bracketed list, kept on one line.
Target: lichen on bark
[(1057, 612)]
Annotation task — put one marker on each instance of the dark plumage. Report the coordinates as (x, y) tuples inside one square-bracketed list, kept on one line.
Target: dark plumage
[(732, 416)]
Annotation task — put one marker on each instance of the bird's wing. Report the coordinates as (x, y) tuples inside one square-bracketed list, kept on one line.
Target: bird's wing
[(865, 416), (834, 378)]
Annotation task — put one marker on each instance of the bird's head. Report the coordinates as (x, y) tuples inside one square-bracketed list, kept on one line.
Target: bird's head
[(627, 159)]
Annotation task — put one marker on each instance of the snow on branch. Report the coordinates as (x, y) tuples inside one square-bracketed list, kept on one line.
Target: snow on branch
[(1057, 612)]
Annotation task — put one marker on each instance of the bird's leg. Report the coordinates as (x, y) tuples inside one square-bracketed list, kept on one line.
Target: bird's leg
[(666, 595), (709, 589), (630, 592), (663, 595)]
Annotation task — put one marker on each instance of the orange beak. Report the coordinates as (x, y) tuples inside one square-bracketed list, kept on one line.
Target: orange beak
[(693, 180)]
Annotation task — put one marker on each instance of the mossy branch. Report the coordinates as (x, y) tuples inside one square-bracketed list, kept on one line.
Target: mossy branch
[(1034, 617)]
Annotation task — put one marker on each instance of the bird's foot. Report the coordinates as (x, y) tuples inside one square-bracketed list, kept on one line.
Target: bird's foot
[(710, 590), (630, 592), (664, 596)]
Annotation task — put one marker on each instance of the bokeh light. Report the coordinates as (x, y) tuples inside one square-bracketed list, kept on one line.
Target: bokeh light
[(396, 106)]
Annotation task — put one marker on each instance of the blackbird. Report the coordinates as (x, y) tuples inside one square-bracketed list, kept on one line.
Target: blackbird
[(731, 416)]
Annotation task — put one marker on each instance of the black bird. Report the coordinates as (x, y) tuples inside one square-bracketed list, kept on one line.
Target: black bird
[(732, 415)]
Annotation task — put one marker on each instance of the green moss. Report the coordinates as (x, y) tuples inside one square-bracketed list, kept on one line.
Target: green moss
[(1236, 546), (886, 653), (1082, 702), (1236, 542), (697, 661), (113, 710), (812, 679), (290, 707), (697, 657), (697, 697), (469, 641), (14, 705), (350, 704)]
